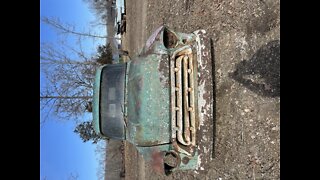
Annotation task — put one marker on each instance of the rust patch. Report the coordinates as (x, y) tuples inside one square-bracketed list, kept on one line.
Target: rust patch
[(138, 104), (157, 161), (189, 150), (185, 160), (163, 69), (139, 83)]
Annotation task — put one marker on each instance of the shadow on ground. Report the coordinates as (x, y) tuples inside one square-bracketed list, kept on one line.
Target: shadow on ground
[(261, 73)]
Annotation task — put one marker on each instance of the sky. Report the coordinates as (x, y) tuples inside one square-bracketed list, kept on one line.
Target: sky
[(61, 150)]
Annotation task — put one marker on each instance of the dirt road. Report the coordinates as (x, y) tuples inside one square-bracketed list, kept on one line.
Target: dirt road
[(246, 42)]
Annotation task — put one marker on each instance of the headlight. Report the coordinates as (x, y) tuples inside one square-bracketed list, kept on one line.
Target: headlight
[(170, 40)]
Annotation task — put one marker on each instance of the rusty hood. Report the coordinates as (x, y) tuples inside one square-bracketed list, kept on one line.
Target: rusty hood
[(148, 105)]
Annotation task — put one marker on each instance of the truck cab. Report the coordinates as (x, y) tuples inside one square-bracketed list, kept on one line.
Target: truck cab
[(154, 101)]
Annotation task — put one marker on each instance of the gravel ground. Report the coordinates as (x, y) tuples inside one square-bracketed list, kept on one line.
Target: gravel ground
[(246, 43)]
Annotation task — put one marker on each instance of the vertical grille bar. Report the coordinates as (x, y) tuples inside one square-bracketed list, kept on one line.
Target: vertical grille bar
[(192, 103), (186, 107), (173, 99)]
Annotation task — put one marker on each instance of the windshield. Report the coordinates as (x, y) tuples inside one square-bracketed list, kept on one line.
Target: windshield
[(112, 100)]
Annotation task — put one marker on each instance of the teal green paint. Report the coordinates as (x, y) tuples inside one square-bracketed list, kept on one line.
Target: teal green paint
[(148, 102), (126, 91), (96, 98), (192, 164)]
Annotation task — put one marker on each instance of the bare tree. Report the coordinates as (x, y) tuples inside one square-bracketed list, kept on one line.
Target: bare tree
[(69, 72), (70, 75), (62, 53), (101, 152), (100, 8), (65, 28)]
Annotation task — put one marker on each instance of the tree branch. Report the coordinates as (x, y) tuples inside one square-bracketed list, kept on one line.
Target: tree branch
[(67, 29)]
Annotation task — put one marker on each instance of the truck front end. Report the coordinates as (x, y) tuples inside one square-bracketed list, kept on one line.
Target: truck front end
[(161, 101), (169, 97)]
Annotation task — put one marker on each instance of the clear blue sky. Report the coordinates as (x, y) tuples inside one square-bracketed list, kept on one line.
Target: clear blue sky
[(61, 150)]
